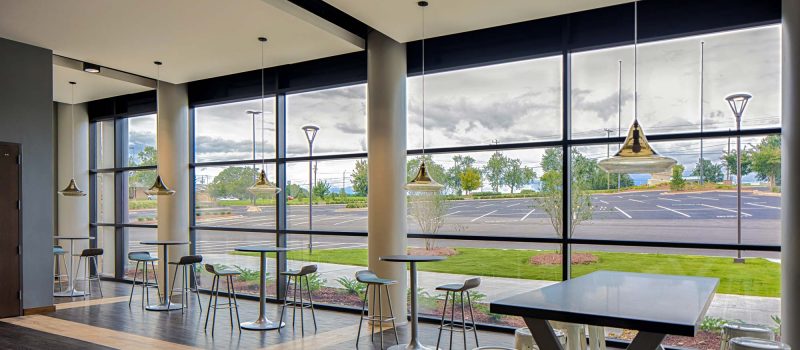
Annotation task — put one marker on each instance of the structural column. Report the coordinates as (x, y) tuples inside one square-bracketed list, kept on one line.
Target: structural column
[(790, 200), (173, 163), (73, 153), (386, 146)]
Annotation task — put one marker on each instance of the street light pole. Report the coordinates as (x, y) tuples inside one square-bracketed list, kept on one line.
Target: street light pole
[(311, 133), (738, 102), (608, 155)]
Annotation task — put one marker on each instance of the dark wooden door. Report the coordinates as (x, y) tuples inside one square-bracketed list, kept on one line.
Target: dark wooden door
[(10, 195)]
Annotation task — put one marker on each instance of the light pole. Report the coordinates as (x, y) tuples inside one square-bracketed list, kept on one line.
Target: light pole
[(311, 133), (608, 154), (738, 102), (253, 114)]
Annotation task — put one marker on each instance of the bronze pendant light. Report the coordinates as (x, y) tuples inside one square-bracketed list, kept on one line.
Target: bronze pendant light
[(72, 189), (423, 182), (158, 188), (636, 156), (262, 185)]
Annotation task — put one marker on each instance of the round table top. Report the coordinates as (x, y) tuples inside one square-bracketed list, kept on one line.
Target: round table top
[(164, 242), (412, 258), (72, 237), (262, 249)]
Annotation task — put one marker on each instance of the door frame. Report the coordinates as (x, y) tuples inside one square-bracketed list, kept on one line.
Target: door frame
[(19, 227)]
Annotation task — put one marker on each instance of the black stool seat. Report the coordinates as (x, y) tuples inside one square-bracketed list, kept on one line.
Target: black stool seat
[(370, 277), (471, 283), (305, 270), (92, 252), (221, 272), (188, 260), (141, 256)]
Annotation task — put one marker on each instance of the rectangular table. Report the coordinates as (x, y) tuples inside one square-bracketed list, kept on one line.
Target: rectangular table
[(655, 305)]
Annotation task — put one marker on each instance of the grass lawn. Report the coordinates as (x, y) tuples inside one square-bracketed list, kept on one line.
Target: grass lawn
[(757, 277)]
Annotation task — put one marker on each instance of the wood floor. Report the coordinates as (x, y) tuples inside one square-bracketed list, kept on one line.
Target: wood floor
[(111, 323)]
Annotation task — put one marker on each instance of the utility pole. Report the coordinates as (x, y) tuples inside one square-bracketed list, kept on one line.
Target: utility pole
[(619, 113), (728, 168), (344, 193), (608, 154), (702, 165)]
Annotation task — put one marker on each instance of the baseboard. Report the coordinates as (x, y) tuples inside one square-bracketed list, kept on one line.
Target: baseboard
[(39, 310)]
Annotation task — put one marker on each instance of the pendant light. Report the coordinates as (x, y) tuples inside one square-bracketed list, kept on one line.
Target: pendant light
[(72, 189), (636, 156), (158, 188), (423, 182), (262, 186)]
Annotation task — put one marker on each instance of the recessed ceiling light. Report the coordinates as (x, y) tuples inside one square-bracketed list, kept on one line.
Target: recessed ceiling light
[(91, 68)]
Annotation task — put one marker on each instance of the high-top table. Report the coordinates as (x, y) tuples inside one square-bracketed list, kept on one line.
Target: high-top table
[(166, 304), (262, 323), (412, 260), (655, 305), (71, 291)]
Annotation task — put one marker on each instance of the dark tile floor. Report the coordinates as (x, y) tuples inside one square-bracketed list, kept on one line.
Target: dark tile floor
[(337, 329)]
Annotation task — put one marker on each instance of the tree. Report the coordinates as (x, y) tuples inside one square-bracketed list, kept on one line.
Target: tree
[(143, 178), (359, 178), (435, 170), (296, 191), (233, 182), (766, 160), (429, 210), (494, 170), (322, 189), (711, 172), (551, 191), (729, 162), (677, 183), (453, 175), (516, 175), (470, 180), (584, 169)]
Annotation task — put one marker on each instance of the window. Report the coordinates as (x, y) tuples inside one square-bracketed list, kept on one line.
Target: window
[(141, 144), (340, 114), (228, 132)]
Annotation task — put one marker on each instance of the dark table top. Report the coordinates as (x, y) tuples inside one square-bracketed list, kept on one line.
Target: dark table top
[(262, 249), (647, 302), (72, 237), (164, 242), (412, 258)]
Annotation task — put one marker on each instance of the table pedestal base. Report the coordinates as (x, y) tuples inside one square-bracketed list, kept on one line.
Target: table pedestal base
[(412, 346), (165, 307), (261, 325), (70, 293)]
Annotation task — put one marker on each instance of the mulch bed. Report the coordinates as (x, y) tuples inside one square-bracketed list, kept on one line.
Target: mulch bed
[(555, 259), (702, 341), (434, 251)]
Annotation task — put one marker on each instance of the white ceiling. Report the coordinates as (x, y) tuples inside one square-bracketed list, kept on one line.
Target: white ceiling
[(89, 87), (402, 21), (196, 39)]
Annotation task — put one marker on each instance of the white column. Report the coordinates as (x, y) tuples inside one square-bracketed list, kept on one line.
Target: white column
[(173, 163), (73, 153), (790, 200), (386, 145)]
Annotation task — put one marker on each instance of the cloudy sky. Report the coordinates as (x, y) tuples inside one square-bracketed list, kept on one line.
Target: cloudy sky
[(521, 102)]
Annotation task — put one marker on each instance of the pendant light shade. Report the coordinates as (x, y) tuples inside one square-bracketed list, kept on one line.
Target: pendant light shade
[(423, 182), (636, 156), (158, 188), (72, 189), (262, 185)]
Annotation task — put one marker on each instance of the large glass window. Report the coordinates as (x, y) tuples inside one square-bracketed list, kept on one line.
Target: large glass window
[(141, 140), (229, 131), (339, 113)]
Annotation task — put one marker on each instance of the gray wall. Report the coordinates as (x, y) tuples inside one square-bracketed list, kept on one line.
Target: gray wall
[(26, 117)]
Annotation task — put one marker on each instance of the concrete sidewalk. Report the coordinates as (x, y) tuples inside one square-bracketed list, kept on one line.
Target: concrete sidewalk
[(750, 309)]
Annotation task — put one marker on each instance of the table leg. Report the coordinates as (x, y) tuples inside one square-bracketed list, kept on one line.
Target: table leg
[(167, 305), (414, 344), (262, 323), (543, 333), (647, 341), (70, 292)]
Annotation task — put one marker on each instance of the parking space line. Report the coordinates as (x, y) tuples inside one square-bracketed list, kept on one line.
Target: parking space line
[(669, 199), (764, 206), (635, 200), (487, 214), (458, 206), (514, 205), (485, 205), (346, 221), (602, 201), (706, 198), (455, 212), (528, 214), (623, 213), (724, 209), (674, 211)]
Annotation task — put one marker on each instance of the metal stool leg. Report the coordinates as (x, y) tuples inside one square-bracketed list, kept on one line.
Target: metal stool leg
[(463, 321), (210, 296), (391, 313), (196, 288), (444, 312), (145, 286), (452, 317), (155, 278), (228, 288), (361, 319), (285, 300), (472, 317), (380, 316), (133, 286), (97, 276), (236, 305), (216, 304), (311, 302), (299, 280)]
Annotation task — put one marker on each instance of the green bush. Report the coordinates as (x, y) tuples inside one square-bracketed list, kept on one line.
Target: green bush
[(315, 282), (248, 275), (355, 205), (352, 286), (712, 324)]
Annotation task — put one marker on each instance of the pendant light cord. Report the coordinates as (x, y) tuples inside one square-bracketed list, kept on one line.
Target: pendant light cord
[(263, 159), (72, 130), (423, 83), (158, 90), (702, 89)]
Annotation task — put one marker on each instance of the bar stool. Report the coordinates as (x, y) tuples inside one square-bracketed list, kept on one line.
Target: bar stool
[(143, 258), (597, 337), (228, 274), (523, 339), (298, 276), (459, 288), (187, 264), (59, 252), (750, 343), (375, 283), (737, 330), (89, 256)]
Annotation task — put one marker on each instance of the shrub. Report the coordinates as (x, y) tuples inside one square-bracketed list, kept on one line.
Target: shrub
[(354, 205), (249, 275), (712, 324), (352, 286), (315, 282)]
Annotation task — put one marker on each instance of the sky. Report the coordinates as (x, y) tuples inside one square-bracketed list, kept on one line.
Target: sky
[(521, 102)]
